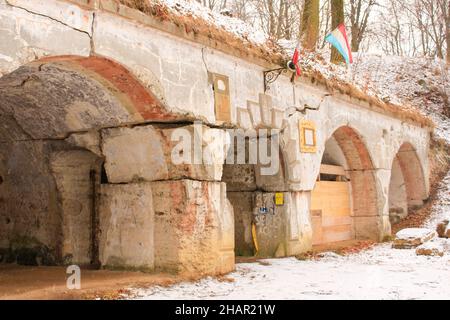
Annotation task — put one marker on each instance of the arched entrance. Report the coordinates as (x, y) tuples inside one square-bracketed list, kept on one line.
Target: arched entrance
[(407, 190), (259, 200), (51, 112), (344, 202)]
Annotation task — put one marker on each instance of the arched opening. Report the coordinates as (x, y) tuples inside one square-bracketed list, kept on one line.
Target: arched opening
[(51, 113), (344, 201), (258, 200), (407, 190)]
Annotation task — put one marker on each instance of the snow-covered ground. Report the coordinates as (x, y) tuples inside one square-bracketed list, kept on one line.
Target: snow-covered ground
[(379, 273)]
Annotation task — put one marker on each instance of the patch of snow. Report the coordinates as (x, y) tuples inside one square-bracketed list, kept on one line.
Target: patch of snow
[(413, 233), (379, 273), (441, 209), (233, 25)]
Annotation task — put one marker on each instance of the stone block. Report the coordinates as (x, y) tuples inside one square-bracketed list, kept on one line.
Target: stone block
[(134, 154), (368, 228), (412, 238), (431, 248), (150, 153), (194, 227), (126, 227), (443, 229)]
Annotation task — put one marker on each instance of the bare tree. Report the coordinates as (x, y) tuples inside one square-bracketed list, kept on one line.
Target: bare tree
[(337, 17), (310, 24), (445, 9), (359, 19)]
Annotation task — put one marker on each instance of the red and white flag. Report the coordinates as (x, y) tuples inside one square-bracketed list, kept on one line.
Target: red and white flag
[(296, 59)]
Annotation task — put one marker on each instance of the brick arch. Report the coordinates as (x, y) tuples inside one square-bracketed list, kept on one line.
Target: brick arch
[(50, 176), (55, 96), (407, 169), (365, 210)]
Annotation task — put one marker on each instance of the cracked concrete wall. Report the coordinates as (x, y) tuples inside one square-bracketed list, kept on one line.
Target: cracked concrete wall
[(34, 29)]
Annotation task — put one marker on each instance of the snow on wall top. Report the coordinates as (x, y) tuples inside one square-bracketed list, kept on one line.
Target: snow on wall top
[(242, 37), (228, 23)]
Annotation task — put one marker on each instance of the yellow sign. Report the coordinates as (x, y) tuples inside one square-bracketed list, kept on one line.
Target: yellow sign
[(279, 199), (308, 139)]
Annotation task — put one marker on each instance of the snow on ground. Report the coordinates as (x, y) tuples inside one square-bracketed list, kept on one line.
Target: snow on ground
[(379, 273)]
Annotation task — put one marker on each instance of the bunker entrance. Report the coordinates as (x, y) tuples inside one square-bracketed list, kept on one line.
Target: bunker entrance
[(331, 212), (260, 203), (407, 190), (50, 113), (344, 200)]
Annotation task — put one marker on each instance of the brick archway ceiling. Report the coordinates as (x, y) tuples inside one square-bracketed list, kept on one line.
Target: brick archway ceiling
[(53, 97), (354, 149), (362, 176), (412, 172)]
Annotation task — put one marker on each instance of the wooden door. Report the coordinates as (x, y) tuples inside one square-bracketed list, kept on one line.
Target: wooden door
[(331, 208)]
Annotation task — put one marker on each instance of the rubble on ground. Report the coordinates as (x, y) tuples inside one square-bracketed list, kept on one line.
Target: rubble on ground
[(412, 238)]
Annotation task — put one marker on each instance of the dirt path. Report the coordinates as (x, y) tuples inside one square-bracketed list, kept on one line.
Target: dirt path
[(18, 282)]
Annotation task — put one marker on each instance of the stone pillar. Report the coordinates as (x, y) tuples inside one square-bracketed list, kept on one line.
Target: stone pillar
[(72, 171), (194, 227), (193, 220), (299, 231), (126, 230)]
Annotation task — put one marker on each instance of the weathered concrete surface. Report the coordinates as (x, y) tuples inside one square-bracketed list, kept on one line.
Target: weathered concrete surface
[(54, 101), (75, 183), (194, 227), (412, 238), (126, 227), (29, 204), (243, 207), (150, 153), (55, 28), (285, 230)]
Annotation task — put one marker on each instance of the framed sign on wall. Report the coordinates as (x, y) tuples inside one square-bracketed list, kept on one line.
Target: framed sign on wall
[(308, 136)]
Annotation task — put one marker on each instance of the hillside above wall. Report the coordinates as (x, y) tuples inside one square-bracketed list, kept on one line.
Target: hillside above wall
[(234, 36)]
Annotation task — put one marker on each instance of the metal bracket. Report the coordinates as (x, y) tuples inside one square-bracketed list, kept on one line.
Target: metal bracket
[(270, 76)]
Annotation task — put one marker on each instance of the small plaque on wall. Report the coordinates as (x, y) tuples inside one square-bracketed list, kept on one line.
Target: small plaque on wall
[(279, 199), (221, 97), (308, 136)]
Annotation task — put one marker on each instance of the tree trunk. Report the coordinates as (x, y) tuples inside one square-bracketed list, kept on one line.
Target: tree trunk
[(310, 24), (447, 31), (337, 17)]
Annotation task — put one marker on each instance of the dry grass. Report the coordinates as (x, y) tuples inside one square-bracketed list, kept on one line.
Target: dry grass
[(198, 26)]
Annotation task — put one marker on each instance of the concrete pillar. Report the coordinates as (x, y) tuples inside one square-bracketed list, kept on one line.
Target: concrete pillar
[(126, 227), (194, 227)]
